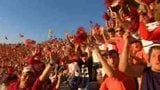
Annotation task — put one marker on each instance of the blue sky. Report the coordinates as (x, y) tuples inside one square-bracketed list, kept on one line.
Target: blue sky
[(33, 18)]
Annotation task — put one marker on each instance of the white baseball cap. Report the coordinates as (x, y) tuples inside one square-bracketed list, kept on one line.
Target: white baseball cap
[(28, 69)]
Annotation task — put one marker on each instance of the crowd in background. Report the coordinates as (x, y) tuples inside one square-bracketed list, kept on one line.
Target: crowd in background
[(109, 57)]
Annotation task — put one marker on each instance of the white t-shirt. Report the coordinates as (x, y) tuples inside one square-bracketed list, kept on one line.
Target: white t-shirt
[(73, 67)]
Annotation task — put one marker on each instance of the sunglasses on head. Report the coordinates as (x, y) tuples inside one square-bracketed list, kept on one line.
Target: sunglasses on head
[(111, 31), (118, 30)]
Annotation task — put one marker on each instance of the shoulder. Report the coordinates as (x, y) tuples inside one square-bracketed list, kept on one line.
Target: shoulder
[(37, 81), (147, 73), (103, 86), (13, 85), (37, 84), (147, 70)]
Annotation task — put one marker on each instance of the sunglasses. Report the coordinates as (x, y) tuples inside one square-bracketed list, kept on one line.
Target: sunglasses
[(111, 31), (119, 31)]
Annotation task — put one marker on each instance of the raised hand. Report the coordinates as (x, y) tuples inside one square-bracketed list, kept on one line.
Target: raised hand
[(54, 57)]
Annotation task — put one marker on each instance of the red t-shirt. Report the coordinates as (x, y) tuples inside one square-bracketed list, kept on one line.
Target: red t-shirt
[(145, 34), (36, 86), (119, 44), (119, 82), (53, 87)]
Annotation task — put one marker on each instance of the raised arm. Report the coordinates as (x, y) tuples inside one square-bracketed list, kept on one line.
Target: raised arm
[(48, 68), (123, 63), (132, 70), (59, 80), (68, 39), (108, 70)]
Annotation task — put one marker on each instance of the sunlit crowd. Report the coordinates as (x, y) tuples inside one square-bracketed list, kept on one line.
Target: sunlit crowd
[(122, 54)]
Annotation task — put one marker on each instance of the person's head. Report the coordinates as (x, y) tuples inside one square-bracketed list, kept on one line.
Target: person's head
[(27, 76), (119, 32), (136, 45), (111, 32), (154, 58), (38, 66), (146, 18), (112, 58), (84, 56), (9, 79)]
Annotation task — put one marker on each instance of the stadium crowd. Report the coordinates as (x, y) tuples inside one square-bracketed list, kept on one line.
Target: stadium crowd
[(109, 57)]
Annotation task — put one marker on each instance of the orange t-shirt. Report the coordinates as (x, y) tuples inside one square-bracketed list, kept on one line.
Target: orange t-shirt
[(119, 82), (119, 44)]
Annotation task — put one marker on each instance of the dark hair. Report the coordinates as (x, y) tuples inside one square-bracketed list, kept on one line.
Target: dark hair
[(84, 54), (110, 52), (111, 30), (120, 29), (116, 8), (136, 41), (10, 78), (157, 47)]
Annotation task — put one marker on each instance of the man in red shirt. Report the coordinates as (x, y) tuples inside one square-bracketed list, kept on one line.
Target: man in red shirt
[(115, 70)]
